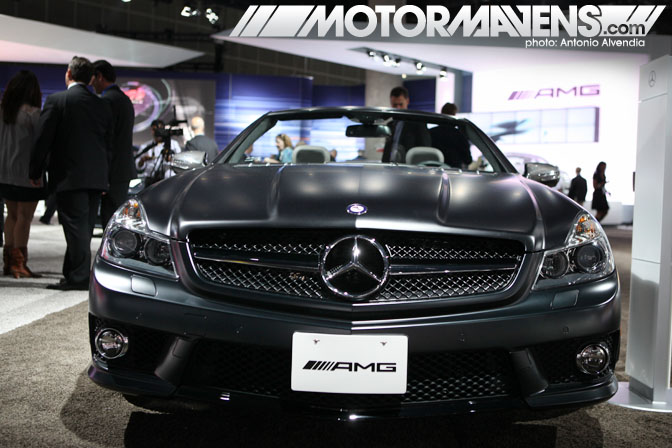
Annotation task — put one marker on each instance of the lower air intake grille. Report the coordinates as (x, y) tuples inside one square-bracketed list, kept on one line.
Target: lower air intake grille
[(431, 377)]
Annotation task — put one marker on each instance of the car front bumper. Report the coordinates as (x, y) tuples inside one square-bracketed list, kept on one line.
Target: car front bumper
[(521, 354)]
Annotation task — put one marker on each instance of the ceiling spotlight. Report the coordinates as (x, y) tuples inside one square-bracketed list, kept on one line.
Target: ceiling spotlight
[(403, 76), (397, 62), (211, 16), (126, 1), (419, 68), (443, 73), (188, 11), (372, 54), (387, 59)]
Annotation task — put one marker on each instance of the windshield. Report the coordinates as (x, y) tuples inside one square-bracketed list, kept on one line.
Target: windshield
[(421, 140)]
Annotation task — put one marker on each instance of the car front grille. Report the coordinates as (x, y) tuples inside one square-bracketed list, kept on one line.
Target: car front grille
[(431, 377), (421, 266)]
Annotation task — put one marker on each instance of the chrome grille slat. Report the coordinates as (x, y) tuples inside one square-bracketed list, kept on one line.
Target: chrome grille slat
[(309, 265), (401, 269), (422, 267)]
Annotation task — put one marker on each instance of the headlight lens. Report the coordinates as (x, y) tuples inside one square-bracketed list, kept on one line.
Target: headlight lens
[(125, 243), (129, 243), (586, 256)]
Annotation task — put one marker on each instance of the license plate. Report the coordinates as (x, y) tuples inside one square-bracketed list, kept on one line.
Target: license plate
[(349, 364)]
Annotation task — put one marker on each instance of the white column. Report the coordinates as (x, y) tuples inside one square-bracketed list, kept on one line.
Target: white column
[(649, 349)]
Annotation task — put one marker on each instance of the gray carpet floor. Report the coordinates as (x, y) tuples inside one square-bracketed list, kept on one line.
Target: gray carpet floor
[(46, 400)]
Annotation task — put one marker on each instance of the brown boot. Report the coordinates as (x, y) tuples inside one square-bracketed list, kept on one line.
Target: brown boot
[(24, 251), (17, 268), (6, 259)]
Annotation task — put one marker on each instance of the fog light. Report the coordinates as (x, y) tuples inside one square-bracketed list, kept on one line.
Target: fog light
[(555, 265), (111, 343), (593, 358)]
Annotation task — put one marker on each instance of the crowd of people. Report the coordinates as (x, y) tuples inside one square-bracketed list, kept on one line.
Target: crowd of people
[(75, 149), (76, 153)]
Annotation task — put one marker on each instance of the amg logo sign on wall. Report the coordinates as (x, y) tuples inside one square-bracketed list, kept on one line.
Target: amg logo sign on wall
[(362, 21), (555, 92)]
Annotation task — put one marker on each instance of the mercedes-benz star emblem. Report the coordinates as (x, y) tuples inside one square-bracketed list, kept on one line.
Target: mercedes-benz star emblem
[(354, 266), (357, 209), (652, 78)]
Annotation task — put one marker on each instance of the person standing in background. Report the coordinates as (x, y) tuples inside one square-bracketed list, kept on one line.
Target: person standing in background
[(19, 115), (74, 144), (122, 166), (201, 142), (451, 141), (405, 134), (600, 193), (578, 188)]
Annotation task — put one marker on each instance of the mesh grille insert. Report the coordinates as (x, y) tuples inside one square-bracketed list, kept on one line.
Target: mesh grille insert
[(557, 360), (431, 377), (410, 250)]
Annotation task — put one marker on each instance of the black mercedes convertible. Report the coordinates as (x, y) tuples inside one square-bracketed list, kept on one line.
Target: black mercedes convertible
[(439, 281)]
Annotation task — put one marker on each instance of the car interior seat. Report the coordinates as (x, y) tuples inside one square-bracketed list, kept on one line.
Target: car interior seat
[(310, 154), (419, 154)]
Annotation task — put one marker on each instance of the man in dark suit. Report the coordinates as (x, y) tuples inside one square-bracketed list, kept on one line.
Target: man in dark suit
[(451, 141), (122, 165), (201, 142), (74, 141), (578, 188), (405, 134)]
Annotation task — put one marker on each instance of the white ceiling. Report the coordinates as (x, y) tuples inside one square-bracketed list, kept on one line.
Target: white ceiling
[(29, 41)]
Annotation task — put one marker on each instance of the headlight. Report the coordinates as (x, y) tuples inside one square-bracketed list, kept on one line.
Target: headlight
[(129, 243), (586, 256)]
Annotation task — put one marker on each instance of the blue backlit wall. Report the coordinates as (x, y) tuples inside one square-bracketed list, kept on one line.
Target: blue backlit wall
[(328, 133), (239, 99), (52, 79), (422, 93), (335, 96)]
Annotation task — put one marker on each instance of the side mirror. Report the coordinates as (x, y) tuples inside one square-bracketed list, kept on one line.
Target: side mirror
[(543, 172), (187, 160)]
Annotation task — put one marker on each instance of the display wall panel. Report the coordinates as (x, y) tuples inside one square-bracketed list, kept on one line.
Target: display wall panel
[(238, 100), (422, 93), (601, 101)]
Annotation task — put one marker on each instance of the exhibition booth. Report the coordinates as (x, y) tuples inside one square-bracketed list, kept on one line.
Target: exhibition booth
[(567, 106), (559, 108)]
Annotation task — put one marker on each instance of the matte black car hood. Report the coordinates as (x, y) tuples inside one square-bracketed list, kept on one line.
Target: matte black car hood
[(397, 197)]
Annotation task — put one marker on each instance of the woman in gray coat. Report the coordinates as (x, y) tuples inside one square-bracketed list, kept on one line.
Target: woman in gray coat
[(19, 116)]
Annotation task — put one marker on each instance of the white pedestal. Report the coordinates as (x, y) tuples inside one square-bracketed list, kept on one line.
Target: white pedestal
[(649, 349), (626, 398)]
